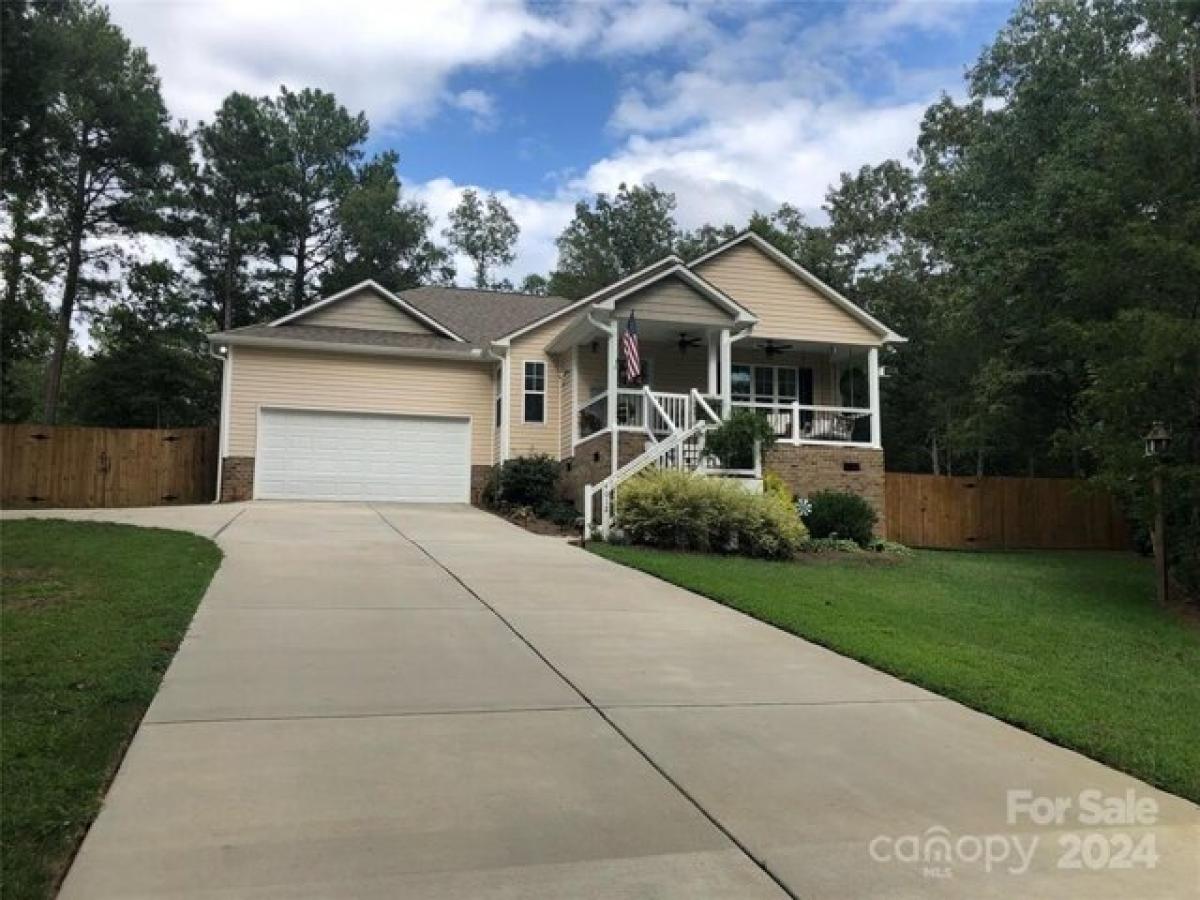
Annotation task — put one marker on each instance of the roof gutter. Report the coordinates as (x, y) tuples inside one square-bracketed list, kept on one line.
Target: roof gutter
[(265, 343)]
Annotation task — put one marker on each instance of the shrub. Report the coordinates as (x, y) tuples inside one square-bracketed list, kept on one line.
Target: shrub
[(829, 545), (679, 511), (732, 442), (840, 514), (879, 545), (775, 486), (560, 512), (527, 481)]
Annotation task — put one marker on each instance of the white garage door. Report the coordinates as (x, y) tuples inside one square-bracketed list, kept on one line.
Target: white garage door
[(308, 455)]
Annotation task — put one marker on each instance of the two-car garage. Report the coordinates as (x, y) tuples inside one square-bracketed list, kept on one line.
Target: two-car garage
[(308, 454)]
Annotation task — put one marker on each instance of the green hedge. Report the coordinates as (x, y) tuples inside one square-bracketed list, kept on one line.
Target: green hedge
[(679, 511)]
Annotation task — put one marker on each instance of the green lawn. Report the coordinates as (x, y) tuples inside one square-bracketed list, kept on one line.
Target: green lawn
[(91, 615), (1069, 646)]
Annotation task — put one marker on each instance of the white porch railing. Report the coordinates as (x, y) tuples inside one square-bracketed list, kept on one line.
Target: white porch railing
[(658, 413), (802, 423)]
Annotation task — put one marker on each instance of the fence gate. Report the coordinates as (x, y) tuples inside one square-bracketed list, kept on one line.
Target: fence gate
[(48, 467)]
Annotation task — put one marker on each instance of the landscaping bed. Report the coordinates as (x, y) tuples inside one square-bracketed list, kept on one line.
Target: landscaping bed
[(91, 616), (1069, 646)]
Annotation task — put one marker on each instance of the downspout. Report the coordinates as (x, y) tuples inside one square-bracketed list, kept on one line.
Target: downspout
[(223, 433), (500, 350)]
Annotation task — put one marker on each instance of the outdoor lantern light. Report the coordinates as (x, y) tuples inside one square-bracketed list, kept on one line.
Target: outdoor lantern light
[(1158, 439)]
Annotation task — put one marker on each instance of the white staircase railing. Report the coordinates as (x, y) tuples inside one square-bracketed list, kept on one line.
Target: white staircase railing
[(687, 417), (682, 450)]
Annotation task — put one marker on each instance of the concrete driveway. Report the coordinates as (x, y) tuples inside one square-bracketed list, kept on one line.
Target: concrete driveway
[(398, 701)]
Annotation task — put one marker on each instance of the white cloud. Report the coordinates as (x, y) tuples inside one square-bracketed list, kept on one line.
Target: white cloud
[(392, 60), (747, 105), (481, 107)]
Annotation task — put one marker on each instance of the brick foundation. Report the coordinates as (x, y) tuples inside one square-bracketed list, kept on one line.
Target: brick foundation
[(592, 462), (237, 478), (479, 480), (807, 469)]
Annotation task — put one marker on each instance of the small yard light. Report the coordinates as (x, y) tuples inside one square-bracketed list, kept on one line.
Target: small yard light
[(1158, 440)]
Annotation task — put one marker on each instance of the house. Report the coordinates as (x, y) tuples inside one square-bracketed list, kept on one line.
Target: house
[(370, 395)]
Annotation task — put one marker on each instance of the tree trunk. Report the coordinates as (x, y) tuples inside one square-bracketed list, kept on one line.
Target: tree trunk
[(66, 309), (301, 272), (227, 282), (979, 463), (935, 463), (62, 335), (480, 273)]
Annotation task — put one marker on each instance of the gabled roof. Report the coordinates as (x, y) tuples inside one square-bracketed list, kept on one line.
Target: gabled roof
[(806, 276), (671, 267), (383, 292), (483, 316)]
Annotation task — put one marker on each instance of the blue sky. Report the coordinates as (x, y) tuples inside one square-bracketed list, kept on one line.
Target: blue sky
[(733, 105)]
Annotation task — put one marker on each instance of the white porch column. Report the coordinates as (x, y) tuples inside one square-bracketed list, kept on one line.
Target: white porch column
[(714, 362), (613, 341), (873, 382), (573, 407), (726, 352)]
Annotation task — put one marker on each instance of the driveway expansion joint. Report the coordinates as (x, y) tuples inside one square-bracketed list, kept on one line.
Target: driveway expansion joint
[(216, 534), (754, 704), (712, 819)]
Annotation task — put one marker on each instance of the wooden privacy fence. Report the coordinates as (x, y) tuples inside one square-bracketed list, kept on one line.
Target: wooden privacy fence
[(1002, 513), (47, 467)]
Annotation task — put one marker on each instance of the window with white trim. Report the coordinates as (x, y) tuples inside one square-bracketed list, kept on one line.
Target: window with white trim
[(770, 384), (534, 400)]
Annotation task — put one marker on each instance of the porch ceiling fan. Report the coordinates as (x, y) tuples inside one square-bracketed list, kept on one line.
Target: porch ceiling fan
[(770, 347), (685, 341)]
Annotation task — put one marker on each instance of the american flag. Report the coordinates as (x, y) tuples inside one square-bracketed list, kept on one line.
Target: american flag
[(633, 359)]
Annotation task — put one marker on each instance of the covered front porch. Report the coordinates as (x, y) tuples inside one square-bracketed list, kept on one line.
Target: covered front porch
[(810, 391)]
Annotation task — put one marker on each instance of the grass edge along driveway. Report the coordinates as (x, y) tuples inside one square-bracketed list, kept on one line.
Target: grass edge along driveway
[(91, 615), (1067, 645)]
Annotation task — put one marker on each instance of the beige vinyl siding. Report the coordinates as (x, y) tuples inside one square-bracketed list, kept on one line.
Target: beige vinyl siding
[(675, 372), (672, 300), (312, 380), (593, 375), (785, 305), (533, 438), (365, 309)]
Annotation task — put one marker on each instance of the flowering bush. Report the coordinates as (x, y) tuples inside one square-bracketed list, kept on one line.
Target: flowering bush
[(679, 511)]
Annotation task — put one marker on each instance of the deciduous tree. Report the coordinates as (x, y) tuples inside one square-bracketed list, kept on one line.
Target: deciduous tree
[(485, 231)]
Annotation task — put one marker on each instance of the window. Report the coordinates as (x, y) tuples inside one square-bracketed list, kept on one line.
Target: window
[(499, 397), (739, 382), (771, 384), (535, 392)]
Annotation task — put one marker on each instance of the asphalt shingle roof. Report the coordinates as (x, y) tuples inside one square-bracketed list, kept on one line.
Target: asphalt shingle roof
[(481, 316)]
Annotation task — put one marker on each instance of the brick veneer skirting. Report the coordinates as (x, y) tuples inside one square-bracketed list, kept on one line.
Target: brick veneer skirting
[(237, 478), (479, 480), (807, 469), (592, 462)]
